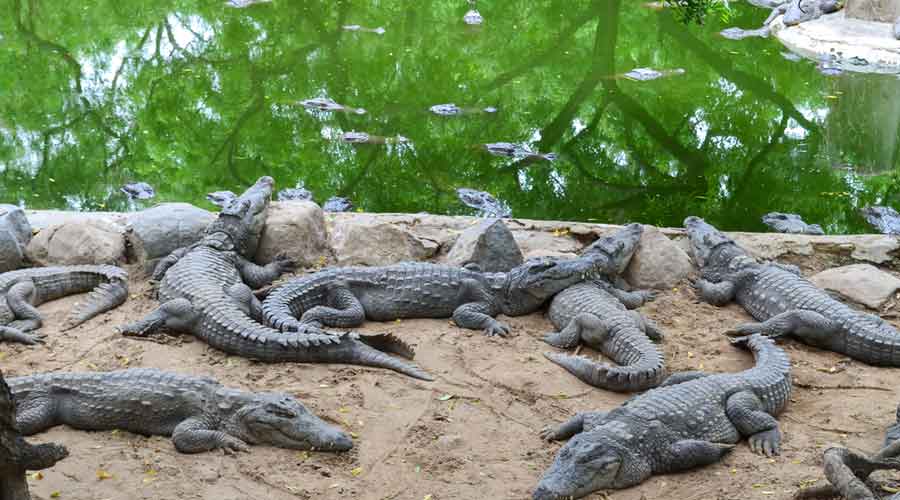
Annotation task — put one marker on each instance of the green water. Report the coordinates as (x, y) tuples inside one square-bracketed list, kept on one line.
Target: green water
[(193, 97)]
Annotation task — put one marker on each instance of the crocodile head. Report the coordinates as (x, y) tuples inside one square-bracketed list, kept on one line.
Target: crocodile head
[(241, 221), (529, 285), (590, 461), (713, 251), (278, 419), (801, 11), (616, 248)]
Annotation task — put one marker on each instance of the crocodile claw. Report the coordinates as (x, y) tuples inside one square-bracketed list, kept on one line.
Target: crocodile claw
[(766, 443), (497, 329), (548, 433)]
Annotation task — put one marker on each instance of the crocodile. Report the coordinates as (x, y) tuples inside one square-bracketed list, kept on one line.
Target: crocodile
[(893, 431), (517, 151), (692, 419), (347, 296), (23, 289), (485, 203), (138, 190), (794, 12), (790, 223), (785, 302), (326, 104), (205, 289), (885, 219), (198, 413), (897, 28)]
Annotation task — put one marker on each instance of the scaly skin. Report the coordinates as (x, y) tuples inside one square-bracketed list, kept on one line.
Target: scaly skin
[(785, 302), (23, 289), (592, 312), (199, 413), (204, 290), (345, 297), (692, 420), (800, 11), (790, 223)]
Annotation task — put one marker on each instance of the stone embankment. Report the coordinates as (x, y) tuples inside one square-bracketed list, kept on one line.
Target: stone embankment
[(315, 239)]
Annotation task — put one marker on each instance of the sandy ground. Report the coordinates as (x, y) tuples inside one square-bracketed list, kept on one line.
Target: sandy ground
[(415, 441)]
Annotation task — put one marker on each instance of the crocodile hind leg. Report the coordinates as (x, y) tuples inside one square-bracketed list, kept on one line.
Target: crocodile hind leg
[(632, 299), (575, 425), (584, 326), (159, 272), (717, 294), (344, 310), (479, 316), (808, 325), (245, 299), (745, 410), (177, 314), (682, 377), (35, 413), (194, 436), (19, 299), (648, 326)]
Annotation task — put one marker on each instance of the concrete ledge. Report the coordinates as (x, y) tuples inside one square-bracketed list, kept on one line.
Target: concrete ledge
[(849, 44)]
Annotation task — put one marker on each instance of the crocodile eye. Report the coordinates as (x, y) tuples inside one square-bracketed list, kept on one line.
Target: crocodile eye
[(280, 411)]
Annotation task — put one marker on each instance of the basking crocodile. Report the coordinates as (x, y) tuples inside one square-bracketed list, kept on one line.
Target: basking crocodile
[(199, 413), (794, 12), (885, 219), (790, 223), (893, 432), (344, 297), (596, 312), (785, 302), (691, 420), (23, 289), (204, 290)]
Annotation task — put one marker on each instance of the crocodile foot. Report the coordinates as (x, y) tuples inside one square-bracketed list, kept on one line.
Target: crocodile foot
[(15, 335), (766, 443), (497, 329)]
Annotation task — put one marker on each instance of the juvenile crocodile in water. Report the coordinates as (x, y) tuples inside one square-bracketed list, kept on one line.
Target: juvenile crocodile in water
[(23, 289), (691, 420), (596, 313), (790, 223), (204, 290), (785, 302), (197, 412)]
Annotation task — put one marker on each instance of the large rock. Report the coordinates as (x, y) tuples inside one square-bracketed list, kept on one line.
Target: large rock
[(884, 11), (490, 244), (362, 241), (658, 262), (89, 241), (861, 283), (156, 232), (296, 229), (15, 233)]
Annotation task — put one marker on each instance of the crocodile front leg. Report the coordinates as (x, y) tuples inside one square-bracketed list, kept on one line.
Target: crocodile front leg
[(159, 272), (259, 276), (479, 316), (584, 326), (343, 309), (245, 299), (810, 326), (745, 410), (20, 298), (195, 436), (177, 314), (575, 425), (691, 453)]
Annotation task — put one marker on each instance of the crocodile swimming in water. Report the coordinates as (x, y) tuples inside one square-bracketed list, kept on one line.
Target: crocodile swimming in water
[(790, 223), (197, 412), (23, 289), (204, 290), (596, 313), (691, 420), (785, 302)]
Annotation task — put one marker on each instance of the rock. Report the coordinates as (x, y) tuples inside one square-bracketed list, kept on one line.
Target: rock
[(15, 234), (362, 241), (658, 262), (449, 441), (91, 241), (883, 11), (296, 229), (489, 244), (861, 283), (542, 241), (156, 232)]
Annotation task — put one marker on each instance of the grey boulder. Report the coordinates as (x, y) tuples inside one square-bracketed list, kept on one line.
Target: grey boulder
[(361, 240), (295, 229), (15, 234), (861, 283), (86, 241), (489, 244), (157, 231)]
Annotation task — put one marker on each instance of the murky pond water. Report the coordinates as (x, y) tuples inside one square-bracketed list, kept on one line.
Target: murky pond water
[(345, 98)]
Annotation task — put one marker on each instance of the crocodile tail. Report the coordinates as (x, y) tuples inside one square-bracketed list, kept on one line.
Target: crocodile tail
[(104, 297), (603, 375), (387, 342), (366, 355)]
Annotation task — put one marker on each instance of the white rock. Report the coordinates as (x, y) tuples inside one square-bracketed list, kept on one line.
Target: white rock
[(157, 231), (658, 262), (361, 241), (296, 229), (89, 241), (861, 283)]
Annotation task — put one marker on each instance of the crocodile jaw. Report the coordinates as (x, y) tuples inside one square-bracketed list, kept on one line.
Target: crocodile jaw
[(583, 466), (617, 248)]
